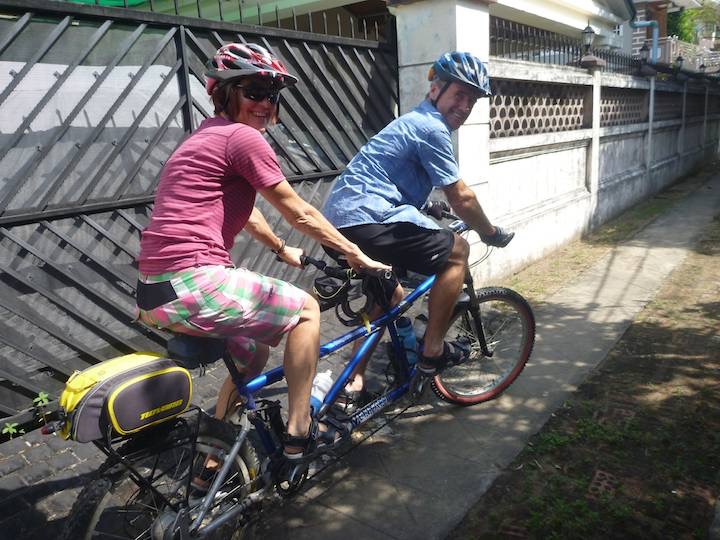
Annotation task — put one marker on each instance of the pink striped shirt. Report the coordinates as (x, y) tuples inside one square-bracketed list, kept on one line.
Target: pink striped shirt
[(205, 196)]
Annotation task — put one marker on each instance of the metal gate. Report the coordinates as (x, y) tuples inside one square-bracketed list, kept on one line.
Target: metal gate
[(92, 103)]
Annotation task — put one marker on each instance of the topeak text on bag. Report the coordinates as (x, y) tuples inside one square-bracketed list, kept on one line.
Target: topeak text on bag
[(124, 395)]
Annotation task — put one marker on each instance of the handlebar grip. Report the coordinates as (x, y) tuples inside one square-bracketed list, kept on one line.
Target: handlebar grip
[(437, 209), (340, 273), (306, 260)]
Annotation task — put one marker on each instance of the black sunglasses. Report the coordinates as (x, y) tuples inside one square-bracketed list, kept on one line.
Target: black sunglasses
[(258, 94)]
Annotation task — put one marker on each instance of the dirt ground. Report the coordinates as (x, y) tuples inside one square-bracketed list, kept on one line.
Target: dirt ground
[(635, 452)]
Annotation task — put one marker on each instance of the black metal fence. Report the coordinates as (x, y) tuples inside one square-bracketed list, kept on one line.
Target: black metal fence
[(370, 21), (509, 39), (93, 100)]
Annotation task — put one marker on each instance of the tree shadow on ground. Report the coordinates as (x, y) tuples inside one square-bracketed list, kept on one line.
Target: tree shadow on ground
[(32, 507)]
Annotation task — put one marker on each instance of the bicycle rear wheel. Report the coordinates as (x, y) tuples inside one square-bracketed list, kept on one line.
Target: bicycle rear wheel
[(114, 505), (509, 329)]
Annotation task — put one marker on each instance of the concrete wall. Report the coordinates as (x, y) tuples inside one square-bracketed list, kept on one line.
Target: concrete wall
[(541, 185), (552, 184)]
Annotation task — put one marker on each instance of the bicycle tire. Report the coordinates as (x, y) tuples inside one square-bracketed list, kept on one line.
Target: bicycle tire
[(509, 328), (112, 505)]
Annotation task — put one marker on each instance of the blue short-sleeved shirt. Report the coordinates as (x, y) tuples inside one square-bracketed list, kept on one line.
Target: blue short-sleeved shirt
[(392, 176)]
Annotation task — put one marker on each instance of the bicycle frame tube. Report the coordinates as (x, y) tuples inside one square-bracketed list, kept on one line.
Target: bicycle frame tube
[(379, 323), (474, 310), (277, 374), (372, 408), (339, 382)]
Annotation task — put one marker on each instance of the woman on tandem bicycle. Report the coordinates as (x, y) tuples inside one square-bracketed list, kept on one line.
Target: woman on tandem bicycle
[(187, 281)]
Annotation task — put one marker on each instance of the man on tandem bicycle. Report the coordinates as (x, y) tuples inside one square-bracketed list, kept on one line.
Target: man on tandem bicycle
[(376, 203)]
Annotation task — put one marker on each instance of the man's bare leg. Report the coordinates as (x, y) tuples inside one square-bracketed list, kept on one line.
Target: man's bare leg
[(443, 296)]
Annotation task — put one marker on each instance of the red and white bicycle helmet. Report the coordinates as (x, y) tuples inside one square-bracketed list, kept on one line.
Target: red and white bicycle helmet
[(239, 59)]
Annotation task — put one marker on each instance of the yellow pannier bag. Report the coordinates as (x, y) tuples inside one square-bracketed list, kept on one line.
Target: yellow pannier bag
[(124, 395)]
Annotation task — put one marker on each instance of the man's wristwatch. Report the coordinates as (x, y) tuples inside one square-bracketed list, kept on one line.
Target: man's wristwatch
[(279, 250)]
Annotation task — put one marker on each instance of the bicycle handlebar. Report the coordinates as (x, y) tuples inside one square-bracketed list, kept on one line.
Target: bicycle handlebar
[(441, 210), (342, 273)]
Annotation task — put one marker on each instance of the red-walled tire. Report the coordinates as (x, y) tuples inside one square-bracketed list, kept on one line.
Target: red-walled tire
[(509, 328)]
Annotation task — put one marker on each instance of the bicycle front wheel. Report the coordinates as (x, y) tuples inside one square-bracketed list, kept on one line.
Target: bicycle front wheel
[(508, 325), (114, 505)]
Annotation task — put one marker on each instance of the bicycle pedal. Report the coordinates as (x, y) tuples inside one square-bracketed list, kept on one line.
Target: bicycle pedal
[(297, 472), (417, 385)]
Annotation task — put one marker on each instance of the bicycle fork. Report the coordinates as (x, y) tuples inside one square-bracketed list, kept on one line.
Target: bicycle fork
[(473, 307)]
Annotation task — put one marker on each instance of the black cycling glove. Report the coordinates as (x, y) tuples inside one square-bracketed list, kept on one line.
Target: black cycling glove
[(501, 238)]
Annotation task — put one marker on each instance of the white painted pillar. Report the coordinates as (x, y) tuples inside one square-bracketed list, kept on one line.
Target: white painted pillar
[(651, 119), (425, 30), (705, 119), (592, 175), (594, 184)]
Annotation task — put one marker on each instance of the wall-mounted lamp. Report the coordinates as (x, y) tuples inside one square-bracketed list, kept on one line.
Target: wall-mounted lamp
[(645, 69), (679, 75), (588, 36), (589, 60)]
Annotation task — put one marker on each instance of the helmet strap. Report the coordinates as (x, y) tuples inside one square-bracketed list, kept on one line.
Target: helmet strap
[(225, 102), (228, 93), (434, 101)]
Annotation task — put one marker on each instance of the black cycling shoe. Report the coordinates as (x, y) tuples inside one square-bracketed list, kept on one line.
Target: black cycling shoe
[(500, 238)]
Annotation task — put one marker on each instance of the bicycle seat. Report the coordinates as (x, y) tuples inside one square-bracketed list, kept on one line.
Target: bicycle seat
[(192, 352)]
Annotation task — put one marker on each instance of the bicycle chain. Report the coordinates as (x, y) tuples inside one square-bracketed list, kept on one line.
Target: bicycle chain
[(355, 445)]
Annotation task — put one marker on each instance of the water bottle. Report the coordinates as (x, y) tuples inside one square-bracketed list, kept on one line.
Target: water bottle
[(321, 384), (407, 338)]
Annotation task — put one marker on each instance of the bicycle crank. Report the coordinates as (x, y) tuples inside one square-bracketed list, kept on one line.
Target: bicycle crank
[(289, 477)]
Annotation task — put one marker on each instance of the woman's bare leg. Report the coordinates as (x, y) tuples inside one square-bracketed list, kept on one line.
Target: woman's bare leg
[(302, 350), (228, 397)]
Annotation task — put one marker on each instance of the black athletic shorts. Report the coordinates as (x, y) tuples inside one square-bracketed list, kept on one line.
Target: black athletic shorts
[(404, 245)]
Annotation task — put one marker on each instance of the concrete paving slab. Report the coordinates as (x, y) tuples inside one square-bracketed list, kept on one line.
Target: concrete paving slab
[(301, 519), (385, 504), (419, 477)]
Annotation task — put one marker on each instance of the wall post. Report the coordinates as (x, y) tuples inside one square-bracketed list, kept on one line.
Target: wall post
[(425, 30), (651, 120)]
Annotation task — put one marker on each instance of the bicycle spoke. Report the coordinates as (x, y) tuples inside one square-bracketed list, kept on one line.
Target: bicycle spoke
[(509, 330)]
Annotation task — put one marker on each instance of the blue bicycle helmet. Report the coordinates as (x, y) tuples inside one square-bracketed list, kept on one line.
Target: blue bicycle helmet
[(461, 67)]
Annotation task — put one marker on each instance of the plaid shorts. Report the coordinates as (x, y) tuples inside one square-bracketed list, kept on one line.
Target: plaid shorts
[(232, 303)]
